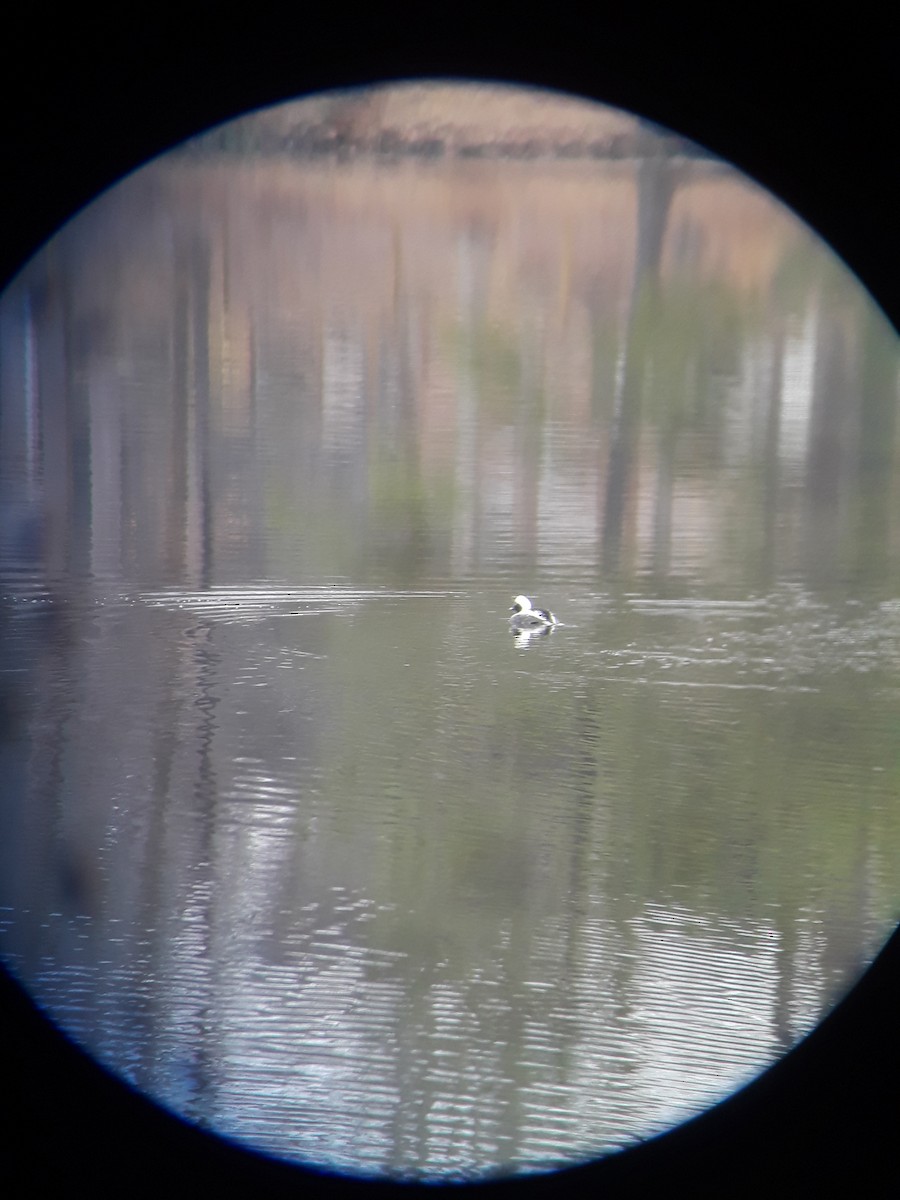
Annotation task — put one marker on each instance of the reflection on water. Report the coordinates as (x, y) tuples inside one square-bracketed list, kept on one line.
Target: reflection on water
[(297, 836)]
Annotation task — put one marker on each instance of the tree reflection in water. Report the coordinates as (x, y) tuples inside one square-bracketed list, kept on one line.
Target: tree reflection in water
[(301, 842)]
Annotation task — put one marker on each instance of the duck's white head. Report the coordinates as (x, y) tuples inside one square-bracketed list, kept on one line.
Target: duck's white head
[(521, 604)]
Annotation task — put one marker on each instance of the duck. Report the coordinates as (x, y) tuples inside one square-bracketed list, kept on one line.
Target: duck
[(525, 616)]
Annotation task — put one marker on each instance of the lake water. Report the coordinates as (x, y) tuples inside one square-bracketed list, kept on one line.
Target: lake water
[(296, 835)]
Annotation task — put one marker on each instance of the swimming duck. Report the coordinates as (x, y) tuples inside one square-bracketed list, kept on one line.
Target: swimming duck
[(524, 616)]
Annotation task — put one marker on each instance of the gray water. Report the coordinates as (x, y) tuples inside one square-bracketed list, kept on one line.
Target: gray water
[(296, 835)]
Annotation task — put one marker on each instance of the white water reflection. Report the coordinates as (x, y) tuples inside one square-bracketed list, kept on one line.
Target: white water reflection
[(265, 600)]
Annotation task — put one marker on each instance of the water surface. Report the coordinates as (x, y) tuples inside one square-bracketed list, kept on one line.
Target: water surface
[(296, 836)]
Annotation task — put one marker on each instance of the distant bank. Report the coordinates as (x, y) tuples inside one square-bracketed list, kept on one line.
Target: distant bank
[(439, 120)]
